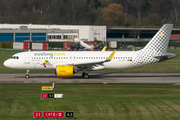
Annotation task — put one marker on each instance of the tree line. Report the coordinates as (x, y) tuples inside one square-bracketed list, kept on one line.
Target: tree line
[(91, 12)]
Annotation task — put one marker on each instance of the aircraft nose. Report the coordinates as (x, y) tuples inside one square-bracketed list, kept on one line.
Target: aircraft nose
[(6, 63)]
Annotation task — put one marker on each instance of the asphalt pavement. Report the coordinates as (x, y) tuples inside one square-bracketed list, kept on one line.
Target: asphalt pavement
[(95, 78)]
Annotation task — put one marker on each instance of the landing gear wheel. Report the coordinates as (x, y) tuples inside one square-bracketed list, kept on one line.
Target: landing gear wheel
[(83, 74), (86, 76), (27, 76)]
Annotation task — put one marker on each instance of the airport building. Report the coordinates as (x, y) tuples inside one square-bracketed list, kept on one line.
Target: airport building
[(114, 37), (137, 34), (50, 33), (61, 33)]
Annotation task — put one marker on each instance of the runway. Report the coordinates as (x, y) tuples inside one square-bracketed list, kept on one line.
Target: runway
[(95, 78)]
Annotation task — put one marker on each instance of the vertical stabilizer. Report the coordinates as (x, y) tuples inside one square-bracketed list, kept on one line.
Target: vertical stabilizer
[(159, 43), (157, 46)]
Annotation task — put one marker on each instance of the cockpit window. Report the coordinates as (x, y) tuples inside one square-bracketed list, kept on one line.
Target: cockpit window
[(14, 57)]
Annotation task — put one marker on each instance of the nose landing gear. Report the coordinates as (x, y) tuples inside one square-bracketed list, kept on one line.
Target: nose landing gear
[(27, 74)]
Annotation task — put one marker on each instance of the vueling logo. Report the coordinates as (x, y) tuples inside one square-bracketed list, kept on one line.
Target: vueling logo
[(49, 54), (45, 63), (59, 54)]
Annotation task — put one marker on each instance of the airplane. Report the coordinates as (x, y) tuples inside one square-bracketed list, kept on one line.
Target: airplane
[(76, 40), (67, 63)]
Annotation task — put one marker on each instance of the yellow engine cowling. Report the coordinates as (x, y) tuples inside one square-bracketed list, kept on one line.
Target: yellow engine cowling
[(64, 71)]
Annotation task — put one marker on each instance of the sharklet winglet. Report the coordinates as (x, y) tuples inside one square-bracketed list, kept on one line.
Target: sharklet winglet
[(104, 49), (111, 56)]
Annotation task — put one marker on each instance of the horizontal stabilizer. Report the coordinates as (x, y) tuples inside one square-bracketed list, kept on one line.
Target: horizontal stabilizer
[(166, 56)]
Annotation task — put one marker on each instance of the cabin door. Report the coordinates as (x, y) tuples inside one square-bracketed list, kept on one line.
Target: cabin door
[(27, 58)]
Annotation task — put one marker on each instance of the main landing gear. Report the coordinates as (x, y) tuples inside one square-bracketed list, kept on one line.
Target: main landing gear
[(27, 74), (85, 75)]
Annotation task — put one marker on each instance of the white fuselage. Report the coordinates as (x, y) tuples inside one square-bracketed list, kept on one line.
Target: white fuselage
[(36, 60)]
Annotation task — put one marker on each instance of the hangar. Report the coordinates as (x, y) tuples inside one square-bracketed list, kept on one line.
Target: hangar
[(50, 33), (137, 34)]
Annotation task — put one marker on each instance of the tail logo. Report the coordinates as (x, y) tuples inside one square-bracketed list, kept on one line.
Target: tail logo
[(161, 34)]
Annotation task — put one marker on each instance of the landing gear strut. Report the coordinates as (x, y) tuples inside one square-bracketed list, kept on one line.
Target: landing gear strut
[(85, 75), (27, 74)]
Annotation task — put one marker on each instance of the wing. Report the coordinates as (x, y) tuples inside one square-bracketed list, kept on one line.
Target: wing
[(94, 62)]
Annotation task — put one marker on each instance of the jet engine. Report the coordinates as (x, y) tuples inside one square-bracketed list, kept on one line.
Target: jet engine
[(64, 71)]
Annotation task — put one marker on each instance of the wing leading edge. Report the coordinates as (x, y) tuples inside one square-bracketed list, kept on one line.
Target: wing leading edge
[(95, 62)]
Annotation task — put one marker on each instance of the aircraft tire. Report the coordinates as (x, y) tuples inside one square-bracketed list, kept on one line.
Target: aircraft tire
[(83, 74), (26, 76), (86, 76)]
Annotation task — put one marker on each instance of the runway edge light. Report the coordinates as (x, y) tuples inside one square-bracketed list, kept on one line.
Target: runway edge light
[(53, 85)]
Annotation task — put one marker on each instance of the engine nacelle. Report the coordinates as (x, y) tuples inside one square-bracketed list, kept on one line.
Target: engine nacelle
[(64, 71)]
